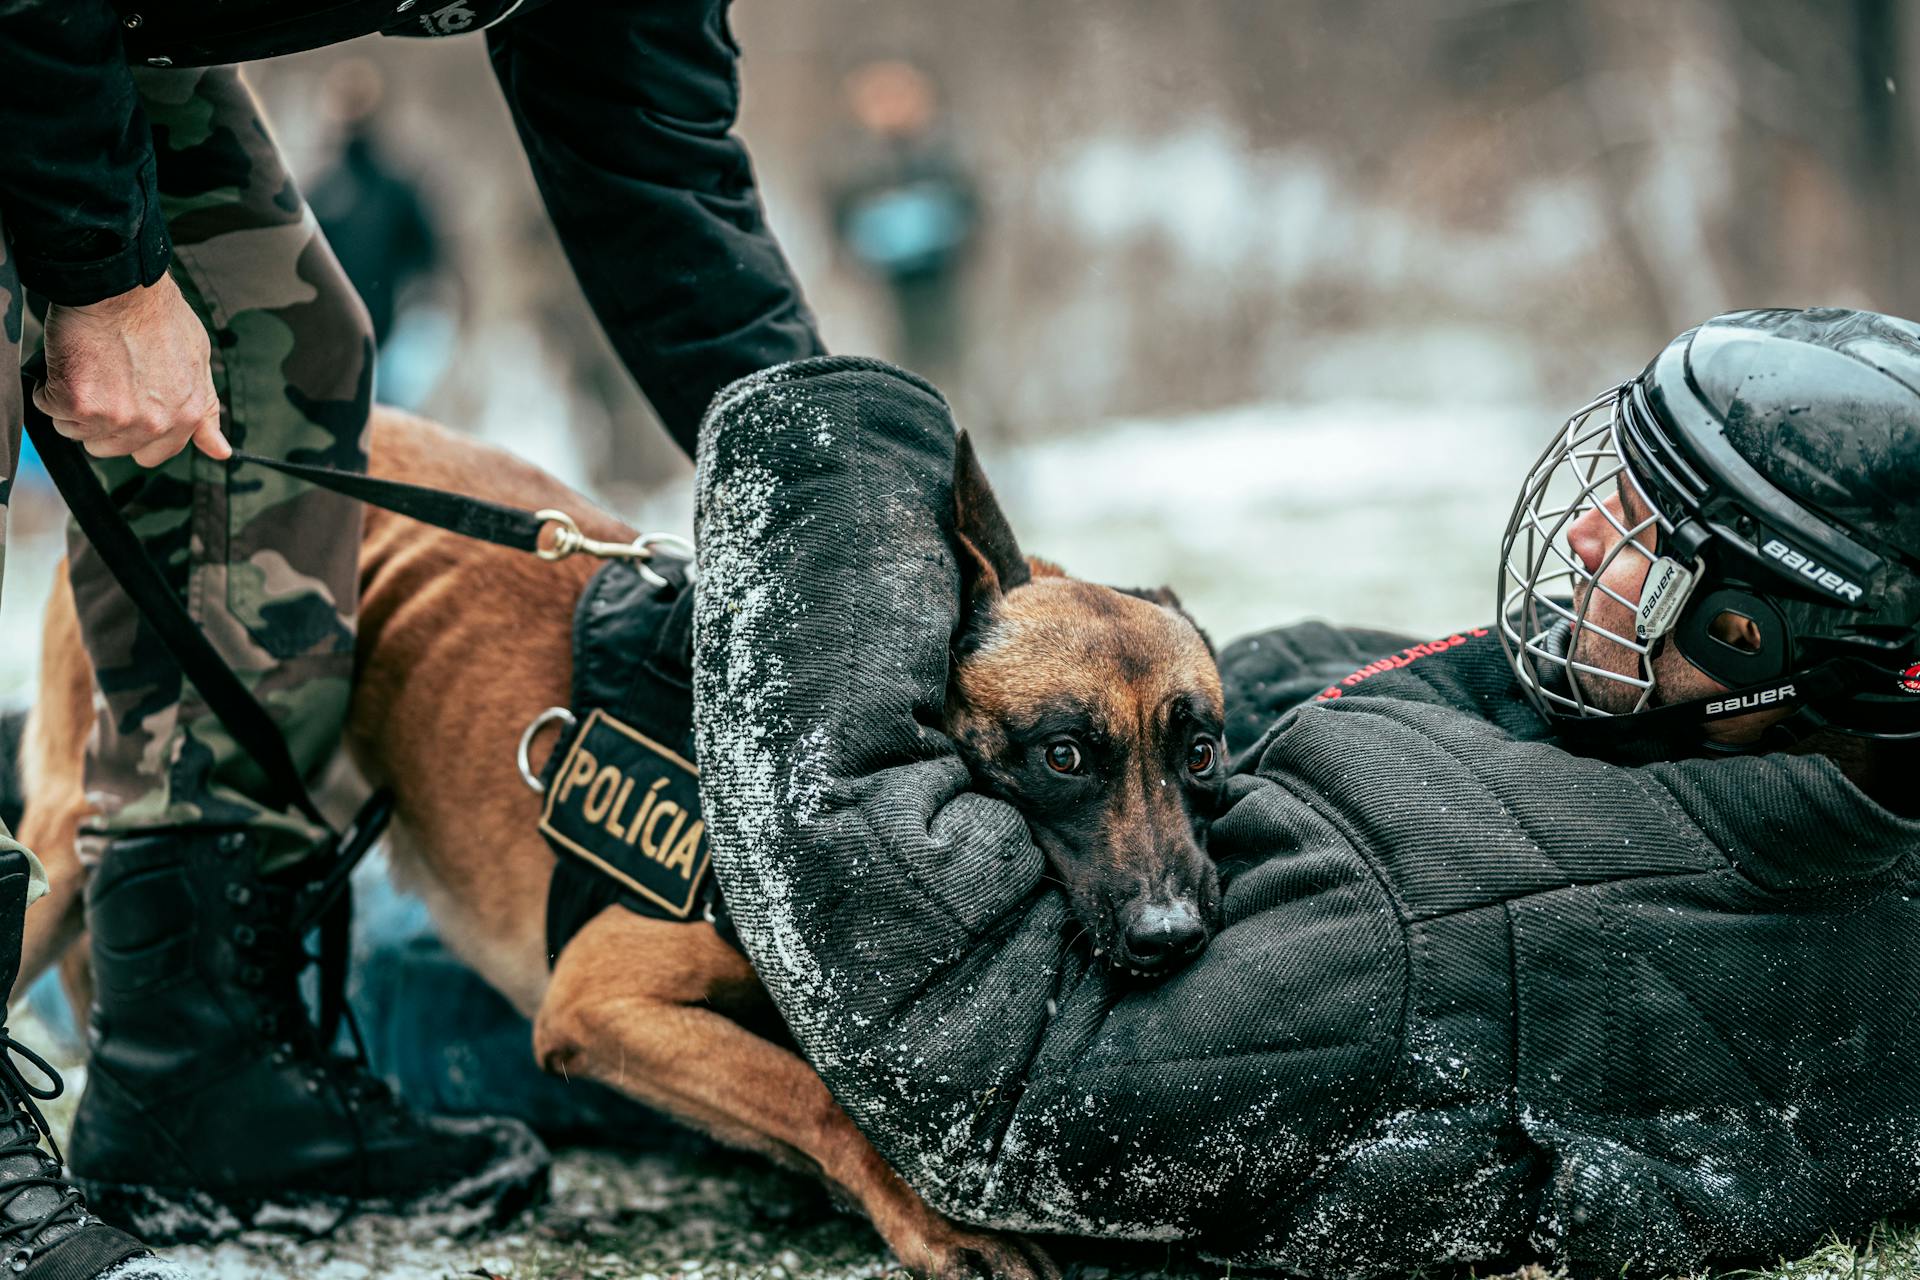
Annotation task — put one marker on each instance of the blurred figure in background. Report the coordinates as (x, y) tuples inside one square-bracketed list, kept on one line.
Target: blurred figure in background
[(904, 208), (377, 221)]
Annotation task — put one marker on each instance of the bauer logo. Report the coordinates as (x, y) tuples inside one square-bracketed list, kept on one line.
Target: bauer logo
[(1751, 701), (1668, 585), (1812, 570)]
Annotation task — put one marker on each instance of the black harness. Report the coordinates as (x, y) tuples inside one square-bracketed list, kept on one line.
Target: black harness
[(621, 798)]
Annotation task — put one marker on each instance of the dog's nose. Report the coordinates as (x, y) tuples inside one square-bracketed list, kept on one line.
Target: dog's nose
[(1163, 933)]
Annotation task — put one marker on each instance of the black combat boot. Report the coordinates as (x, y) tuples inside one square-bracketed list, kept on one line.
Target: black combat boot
[(46, 1232), (211, 1106)]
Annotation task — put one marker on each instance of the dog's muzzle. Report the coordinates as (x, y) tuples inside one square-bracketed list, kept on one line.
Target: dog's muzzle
[(1548, 595)]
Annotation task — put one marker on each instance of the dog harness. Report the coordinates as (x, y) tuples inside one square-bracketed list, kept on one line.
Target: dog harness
[(620, 791)]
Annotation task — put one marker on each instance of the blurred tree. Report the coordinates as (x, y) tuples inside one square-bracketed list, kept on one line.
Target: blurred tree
[(1825, 154), (1884, 164)]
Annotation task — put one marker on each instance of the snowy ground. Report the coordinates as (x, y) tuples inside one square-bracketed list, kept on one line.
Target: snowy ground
[(682, 1210), (1379, 513)]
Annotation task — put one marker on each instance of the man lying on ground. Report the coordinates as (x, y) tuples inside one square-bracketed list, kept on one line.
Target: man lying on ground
[(1587, 934)]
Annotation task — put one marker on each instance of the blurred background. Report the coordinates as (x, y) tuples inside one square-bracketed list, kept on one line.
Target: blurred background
[(1271, 300)]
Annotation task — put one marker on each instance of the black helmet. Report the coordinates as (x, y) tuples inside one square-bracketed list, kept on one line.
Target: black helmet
[(1777, 455)]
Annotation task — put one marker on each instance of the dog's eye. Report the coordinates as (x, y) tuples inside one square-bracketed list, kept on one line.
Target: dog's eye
[(1200, 756), (1063, 757)]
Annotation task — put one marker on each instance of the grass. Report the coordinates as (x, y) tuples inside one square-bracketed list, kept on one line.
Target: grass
[(1887, 1253)]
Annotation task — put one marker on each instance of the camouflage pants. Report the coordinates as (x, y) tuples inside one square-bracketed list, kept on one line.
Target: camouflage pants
[(267, 565)]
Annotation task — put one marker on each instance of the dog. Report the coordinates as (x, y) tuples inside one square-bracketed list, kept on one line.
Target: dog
[(1096, 712)]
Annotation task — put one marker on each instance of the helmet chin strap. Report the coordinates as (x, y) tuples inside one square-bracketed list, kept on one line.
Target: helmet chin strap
[(1659, 732), (1750, 672), (1679, 612)]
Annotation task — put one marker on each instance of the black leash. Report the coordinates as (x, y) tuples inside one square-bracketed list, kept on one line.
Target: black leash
[(100, 519), (494, 522), (473, 517), (328, 907)]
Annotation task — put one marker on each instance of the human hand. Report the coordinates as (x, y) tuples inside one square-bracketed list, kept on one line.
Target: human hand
[(129, 375)]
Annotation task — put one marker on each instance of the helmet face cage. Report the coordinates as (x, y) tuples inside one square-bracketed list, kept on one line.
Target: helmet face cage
[(1548, 595)]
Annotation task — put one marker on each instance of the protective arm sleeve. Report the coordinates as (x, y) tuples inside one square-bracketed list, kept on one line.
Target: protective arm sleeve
[(625, 110), (901, 920), (77, 189)]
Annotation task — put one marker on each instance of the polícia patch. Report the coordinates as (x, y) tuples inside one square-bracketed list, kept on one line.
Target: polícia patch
[(631, 808)]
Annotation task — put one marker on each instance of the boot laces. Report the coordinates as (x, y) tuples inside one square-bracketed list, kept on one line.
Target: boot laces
[(20, 1135), (271, 940)]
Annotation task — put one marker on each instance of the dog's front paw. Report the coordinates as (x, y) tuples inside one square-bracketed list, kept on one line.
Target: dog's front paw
[(962, 1253)]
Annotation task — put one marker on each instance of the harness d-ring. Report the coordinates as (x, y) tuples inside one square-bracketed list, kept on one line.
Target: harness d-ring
[(647, 543), (551, 715)]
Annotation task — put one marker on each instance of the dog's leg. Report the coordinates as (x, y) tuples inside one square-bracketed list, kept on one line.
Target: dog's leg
[(52, 768), (654, 1029)]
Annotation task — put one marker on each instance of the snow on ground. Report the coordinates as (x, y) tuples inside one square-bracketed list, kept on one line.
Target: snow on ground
[(1369, 513), (612, 1217)]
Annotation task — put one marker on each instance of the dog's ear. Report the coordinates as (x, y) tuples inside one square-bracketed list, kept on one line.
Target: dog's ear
[(1164, 597), (990, 559)]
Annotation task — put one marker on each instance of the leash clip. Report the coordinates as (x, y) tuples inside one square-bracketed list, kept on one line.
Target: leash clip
[(567, 539)]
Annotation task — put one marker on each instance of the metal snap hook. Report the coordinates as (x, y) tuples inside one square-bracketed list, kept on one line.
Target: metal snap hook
[(567, 537), (551, 715), (567, 540)]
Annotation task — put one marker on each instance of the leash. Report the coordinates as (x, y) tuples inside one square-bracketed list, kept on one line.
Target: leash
[(100, 519), (494, 522)]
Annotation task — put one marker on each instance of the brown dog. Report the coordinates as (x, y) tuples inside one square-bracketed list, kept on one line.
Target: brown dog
[(1097, 712)]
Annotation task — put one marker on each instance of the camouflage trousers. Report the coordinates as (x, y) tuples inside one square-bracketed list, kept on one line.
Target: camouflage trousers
[(267, 566)]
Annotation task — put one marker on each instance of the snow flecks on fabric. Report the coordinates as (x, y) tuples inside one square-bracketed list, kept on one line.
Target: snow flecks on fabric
[(770, 730), (1035, 1187), (738, 738), (1359, 1201), (807, 785)]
